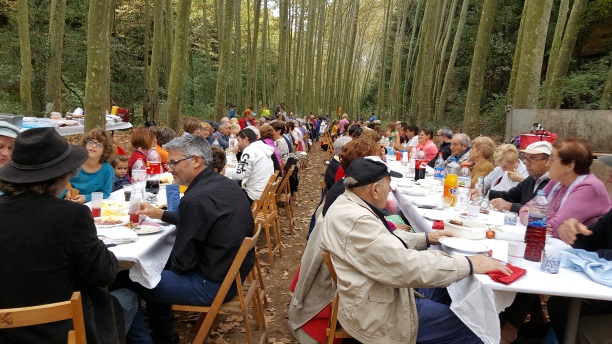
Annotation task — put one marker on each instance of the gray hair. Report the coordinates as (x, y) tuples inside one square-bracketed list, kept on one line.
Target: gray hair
[(340, 142), (224, 124), (350, 182), (465, 140), (447, 132), (192, 145)]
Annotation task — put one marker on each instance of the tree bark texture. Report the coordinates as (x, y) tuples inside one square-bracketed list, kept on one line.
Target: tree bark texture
[(98, 60), (53, 84), (177, 72), (479, 62), (25, 81), (225, 40), (156, 59), (553, 54)]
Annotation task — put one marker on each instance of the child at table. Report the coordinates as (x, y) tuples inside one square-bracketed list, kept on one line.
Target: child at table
[(120, 165)]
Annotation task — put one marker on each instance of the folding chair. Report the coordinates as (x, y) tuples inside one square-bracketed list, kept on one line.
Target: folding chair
[(333, 328), (247, 293), (258, 203), (42, 314), (267, 216), (283, 195)]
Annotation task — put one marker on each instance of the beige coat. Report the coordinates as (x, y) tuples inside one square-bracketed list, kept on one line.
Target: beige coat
[(376, 273)]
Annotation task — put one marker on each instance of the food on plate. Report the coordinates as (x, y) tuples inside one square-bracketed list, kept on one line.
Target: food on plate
[(456, 222), (109, 212), (166, 178), (106, 221)]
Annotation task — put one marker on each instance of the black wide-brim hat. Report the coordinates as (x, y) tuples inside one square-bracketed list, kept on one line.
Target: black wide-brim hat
[(41, 154)]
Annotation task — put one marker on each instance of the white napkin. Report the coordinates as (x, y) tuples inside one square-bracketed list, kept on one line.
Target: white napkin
[(118, 235)]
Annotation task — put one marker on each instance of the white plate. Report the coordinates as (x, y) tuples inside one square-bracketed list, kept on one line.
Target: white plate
[(464, 245), (124, 221), (434, 216), (413, 191), (142, 230)]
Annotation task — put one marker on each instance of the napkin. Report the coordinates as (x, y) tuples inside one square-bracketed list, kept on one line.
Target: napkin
[(438, 224), (498, 276)]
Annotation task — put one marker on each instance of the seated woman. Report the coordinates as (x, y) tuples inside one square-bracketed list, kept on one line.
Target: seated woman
[(480, 154), (219, 159), (191, 126), (206, 131), (427, 145), (573, 192), (266, 132), (95, 175), (142, 141), (63, 251), (510, 169), (163, 135)]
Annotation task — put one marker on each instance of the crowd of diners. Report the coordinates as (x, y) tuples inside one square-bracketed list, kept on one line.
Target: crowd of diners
[(391, 288)]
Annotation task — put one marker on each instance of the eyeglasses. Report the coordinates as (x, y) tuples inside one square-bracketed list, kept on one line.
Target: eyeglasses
[(172, 163), (94, 144), (554, 158), (532, 160)]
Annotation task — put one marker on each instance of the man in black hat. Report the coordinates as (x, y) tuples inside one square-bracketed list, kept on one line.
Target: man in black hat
[(45, 258), (377, 268)]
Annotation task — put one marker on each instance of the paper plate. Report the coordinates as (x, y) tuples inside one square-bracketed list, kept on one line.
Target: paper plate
[(110, 221), (463, 246), (413, 191), (143, 230)]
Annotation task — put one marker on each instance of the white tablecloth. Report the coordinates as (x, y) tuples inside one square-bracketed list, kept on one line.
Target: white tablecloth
[(150, 253), (72, 130), (477, 299)]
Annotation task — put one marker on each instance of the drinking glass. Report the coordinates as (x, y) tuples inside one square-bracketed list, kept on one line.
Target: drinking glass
[(448, 201), (96, 204)]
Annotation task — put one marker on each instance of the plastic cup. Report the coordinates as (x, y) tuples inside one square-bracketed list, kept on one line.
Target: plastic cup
[(550, 261), (127, 191), (398, 156), (473, 210), (96, 204), (134, 208), (510, 219), (516, 252)]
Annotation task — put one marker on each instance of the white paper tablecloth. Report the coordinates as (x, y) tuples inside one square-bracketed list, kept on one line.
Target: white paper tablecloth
[(77, 129), (477, 300)]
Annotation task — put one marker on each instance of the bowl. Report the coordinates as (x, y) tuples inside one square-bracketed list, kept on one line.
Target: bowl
[(472, 229)]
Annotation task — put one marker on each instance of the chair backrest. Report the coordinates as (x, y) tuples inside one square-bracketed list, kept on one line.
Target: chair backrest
[(42, 314), (330, 267), (258, 203), (284, 186)]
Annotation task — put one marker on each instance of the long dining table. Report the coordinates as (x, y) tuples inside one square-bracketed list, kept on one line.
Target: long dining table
[(477, 300), (147, 256)]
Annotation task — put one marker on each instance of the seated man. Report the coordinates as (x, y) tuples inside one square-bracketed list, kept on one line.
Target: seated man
[(460, 148), (222, 135), (213, 219), (444, 136), (377, 269), (536, 157)]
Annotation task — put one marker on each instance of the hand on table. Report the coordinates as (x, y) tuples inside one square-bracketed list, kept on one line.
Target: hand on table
[(473, 194), (78, 198), (150, 211), (500, 204), (483, 264), (434, 237), (570, 229), (516, 176)]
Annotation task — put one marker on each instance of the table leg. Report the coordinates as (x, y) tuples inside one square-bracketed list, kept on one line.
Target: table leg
[(573, 316)]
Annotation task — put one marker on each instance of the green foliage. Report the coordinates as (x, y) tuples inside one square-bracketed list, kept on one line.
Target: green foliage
[(582, 88)]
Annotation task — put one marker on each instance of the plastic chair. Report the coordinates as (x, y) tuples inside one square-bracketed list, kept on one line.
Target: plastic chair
[(333, 330), (247, 293), (42, 314)]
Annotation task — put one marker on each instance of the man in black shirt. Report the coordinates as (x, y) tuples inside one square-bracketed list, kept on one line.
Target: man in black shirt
[(213, 219), (443, 138)]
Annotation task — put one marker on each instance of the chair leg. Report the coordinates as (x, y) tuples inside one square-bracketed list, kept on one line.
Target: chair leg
[(210, 321), (262, 287), (277, 235), (269, 241)]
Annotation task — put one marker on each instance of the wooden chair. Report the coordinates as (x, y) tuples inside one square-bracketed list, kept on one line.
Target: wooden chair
[(258, 203), (247, 293), (36, 315), (283, 196), (267, 216), (333, 330)]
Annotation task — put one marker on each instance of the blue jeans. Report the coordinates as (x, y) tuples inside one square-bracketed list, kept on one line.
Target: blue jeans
[(437, 322), (135, 329), (186, 289)]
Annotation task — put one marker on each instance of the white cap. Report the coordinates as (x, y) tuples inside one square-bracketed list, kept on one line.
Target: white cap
[(540, 147), (8, 130)]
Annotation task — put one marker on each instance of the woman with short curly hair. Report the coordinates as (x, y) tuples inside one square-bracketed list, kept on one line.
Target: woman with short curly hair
[(95, 175)]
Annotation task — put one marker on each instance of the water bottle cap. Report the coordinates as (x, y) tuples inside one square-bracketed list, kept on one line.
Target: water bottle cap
[(541, 193)]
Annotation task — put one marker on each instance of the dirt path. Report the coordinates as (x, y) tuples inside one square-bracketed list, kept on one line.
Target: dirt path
[(277, 277)]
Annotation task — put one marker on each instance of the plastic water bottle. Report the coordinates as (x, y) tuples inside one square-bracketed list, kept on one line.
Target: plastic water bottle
[(139, 176), (154, 170), (439, 169), (231, 143), (463, 188), (419, 165), (535, 235), (452, 167), (405, 160), (216, 143)]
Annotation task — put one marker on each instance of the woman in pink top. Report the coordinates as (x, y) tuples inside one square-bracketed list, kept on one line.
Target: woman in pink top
[(427, 145), (573, 192)]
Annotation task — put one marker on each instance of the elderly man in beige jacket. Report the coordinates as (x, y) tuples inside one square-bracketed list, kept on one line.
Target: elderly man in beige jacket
[(378, 268)]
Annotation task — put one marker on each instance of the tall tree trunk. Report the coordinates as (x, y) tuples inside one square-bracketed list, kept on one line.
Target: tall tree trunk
[(25, 81), (238, 97), (307, 89), (319, 64), (107, 69), (264, 58), (450, 70), (156, 58), (252, 65), (168, 41), (205, 35), (177, 72), (396, 61), (442, 59), (53, 84), (298, 56), (98, 59), (147, 43), (479, 63), (606, 97), (332, 48), (553, 54), (527, 86), (516, 61), (554, 98), (382, 74), (225, 40), (412, 48), (281, 78)]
